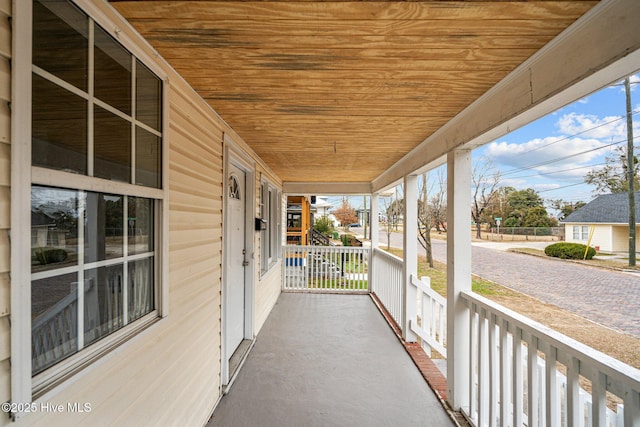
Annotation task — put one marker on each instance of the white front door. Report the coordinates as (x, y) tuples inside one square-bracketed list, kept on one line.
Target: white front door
[(235, 310)]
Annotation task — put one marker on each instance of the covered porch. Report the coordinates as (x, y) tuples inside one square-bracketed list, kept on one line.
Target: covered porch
[(328, 359)]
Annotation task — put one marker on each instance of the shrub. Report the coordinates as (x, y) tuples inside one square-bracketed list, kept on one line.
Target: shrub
[(566, 250), (50, 256), (323, 225)]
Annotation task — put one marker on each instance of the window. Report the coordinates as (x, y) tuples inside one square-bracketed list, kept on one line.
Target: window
[(270, 210), (96, 191), (580, 232)]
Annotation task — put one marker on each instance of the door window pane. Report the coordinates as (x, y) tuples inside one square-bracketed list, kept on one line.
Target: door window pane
[(60, 41), (112, 72), (54, 228), (148, 97), (104, 233), (102, 302), (140, 292), (59, 128), (147, 159), (54, 322), (140, 225), (112, 146)]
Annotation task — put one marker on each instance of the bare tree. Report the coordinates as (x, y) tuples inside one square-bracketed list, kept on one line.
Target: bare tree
[(431, 206), (485, 179), (393, 208)]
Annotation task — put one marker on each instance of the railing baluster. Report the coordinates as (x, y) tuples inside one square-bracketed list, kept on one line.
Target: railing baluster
[(552, 391), (473, 365), (573, 389), (505, 392), (493, 372), (599, 398), (533, 387), (517, 393)]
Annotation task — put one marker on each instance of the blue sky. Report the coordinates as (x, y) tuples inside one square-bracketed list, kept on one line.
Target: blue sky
[(553, 154)]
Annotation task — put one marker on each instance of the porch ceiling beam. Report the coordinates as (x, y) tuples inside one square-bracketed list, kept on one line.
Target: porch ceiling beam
[(326, 188), (599, 48)]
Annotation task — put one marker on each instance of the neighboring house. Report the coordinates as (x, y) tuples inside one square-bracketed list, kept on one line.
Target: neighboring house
[(608, 217)]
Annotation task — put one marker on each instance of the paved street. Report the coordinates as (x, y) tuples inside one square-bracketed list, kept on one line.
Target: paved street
[(606, 297)]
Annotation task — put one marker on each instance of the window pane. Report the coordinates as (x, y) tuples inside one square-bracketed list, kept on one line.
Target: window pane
[(104, 234), (54, 320), (112, 146), (148, 97), (60, 41), (140, 223), (140, 292), (102, 302), (112, 72), (147, 159), (59, 128), (54, 228)]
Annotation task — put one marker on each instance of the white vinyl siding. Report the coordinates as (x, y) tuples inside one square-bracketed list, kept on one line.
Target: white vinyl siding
[(125, 386), (5, 198)]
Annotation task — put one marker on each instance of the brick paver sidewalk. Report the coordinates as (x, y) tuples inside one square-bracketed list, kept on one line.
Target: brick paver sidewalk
[(607, 297)]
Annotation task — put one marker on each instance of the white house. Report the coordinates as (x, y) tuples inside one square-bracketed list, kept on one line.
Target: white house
[(606, 221)]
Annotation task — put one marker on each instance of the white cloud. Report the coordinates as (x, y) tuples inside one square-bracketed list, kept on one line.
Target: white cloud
[(588, 125), (564, 152)]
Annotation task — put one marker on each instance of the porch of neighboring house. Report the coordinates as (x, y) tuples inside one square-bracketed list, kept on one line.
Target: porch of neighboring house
[(328, 359)]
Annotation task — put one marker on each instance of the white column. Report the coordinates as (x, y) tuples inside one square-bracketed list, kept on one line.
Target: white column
[(458, 276), (375, 226), (375, 230), (410, 253)]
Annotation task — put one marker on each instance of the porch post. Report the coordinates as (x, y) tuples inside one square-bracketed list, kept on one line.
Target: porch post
[(458, 276), (374, 225), (374, 229), (410, 252)]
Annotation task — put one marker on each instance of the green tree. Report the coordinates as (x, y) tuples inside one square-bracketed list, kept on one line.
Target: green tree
[(526, 209), (537, 217), (612, 177), (565, 208), (323, 225)]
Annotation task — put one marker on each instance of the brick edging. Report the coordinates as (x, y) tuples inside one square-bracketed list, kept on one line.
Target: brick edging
[(425, 365)]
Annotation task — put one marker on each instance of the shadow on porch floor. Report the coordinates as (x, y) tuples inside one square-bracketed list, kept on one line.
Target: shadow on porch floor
[(328, 360)]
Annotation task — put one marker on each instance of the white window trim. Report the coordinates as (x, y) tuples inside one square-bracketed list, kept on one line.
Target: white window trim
[(273, 212), (23, 175)]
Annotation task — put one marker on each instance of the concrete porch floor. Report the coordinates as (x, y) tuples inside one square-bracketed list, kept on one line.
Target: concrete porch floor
[(328, 360)]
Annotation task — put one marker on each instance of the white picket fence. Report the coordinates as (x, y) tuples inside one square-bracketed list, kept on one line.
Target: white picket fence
[(387, 283), (326, 268)]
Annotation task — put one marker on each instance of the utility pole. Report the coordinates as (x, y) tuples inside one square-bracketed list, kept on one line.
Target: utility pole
[(630, 177)]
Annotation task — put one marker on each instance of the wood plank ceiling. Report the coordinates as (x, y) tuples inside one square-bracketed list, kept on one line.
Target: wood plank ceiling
[(328, 91)]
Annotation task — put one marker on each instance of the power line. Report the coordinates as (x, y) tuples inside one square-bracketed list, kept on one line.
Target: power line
[(560, 171), (579, 133), (557, 159), (564, 186)]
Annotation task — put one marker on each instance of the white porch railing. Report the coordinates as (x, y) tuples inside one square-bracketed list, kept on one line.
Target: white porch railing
[(432, 310), (517, 375), (387, 283), (326, 268)]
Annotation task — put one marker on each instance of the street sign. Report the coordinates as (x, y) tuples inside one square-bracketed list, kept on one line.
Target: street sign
[(498, 219)]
